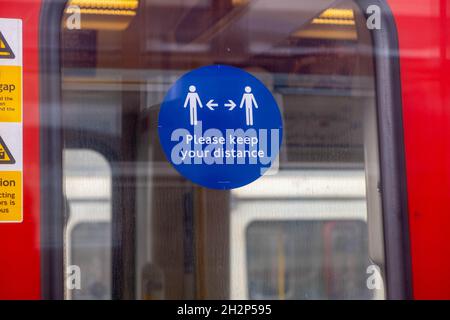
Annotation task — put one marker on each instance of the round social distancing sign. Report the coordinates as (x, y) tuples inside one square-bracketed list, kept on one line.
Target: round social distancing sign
[(220, 127)]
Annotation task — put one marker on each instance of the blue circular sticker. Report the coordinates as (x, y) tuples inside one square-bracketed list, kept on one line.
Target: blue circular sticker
[(220, 127)]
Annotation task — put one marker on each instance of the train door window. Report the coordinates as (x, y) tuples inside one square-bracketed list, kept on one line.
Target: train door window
[(311, 228), (87, 185), (307, 260)]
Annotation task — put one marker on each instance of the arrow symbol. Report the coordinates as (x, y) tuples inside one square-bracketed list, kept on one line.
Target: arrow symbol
[(211, 104), (231, 105)]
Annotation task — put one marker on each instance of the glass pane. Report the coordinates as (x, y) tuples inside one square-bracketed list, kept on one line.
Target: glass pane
[(87, 189), (307, 260), (308, 229)]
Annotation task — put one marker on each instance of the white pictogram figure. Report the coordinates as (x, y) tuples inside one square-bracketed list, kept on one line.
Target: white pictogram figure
[(249, 100), (193, 98)]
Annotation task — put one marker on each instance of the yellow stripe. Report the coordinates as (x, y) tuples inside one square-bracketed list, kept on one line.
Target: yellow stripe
[(106, 4), (334, 21), (103, 12), (334, 13)]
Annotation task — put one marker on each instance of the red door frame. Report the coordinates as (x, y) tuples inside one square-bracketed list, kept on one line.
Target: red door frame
[(425, 72), (20, 242)]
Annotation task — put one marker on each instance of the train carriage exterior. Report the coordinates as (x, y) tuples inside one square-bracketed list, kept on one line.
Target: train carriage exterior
[(356, 205)]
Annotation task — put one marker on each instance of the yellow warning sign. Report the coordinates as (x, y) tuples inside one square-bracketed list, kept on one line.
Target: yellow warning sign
[(11, 122), (10, 94), (5, 49), (10, 196), (5, 155)]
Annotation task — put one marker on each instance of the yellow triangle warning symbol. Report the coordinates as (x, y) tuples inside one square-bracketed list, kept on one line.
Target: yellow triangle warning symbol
[(5, 49), (5, 155)]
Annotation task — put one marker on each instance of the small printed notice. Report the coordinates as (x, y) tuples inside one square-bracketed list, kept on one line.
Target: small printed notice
[(11, 121)]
